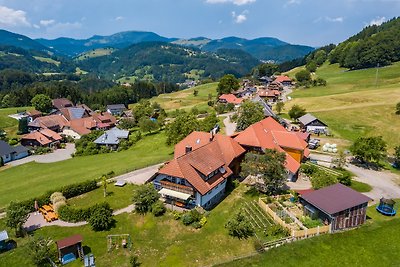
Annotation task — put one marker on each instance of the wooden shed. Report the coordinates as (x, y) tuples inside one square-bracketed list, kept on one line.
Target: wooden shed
[(70, 248), (338, 205)]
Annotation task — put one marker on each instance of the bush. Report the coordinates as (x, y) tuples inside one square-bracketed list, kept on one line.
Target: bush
[(345, 179), (158, 208), (308, 169), (58, 205), (275, 230), (69, 214), (187, 219), (310, 223), (196, 225), (101, 217), (55, 195), (177, 215)]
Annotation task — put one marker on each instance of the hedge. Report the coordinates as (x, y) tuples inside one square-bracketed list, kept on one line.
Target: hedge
[(70, 214), (68, 191)]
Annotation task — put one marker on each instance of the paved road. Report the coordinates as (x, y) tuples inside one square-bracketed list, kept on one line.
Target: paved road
[(230, 127), (57, 155), (140, 176), (384, 183)]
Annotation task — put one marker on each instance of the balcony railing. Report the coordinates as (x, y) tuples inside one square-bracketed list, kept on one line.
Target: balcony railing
[(177, 187)]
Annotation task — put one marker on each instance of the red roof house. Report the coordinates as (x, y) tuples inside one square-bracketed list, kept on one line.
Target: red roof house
[(230, 98), (44, 137), (285, 80), (197, 175)]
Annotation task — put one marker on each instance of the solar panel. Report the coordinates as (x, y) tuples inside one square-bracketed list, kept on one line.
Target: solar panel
[(120, 183)]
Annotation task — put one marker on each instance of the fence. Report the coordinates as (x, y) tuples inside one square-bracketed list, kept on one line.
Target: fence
[(295, 233)]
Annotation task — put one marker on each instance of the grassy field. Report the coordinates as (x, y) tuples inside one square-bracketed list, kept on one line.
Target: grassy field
[(158, 241), (48, 60), (31, 179), (374, 244), (96, 53), (8, 124), (186, 100), (360, 187), (117, 197), (355, 103)]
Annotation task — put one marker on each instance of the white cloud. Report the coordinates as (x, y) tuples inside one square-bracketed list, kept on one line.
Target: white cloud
[(36, 26), (119, 18), (239, 18), (338, 19), (376, 21), (47, 22), (11, 17), (63, 28), (235, 2), (292, 2)]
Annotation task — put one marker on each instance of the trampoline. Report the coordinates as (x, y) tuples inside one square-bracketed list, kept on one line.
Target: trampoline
[(386, 207), (67, 258)]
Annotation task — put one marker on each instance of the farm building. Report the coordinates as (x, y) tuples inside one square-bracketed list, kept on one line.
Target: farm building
[(312, 124), (70, 249), (284, 80), (116, 109), (338, 205)]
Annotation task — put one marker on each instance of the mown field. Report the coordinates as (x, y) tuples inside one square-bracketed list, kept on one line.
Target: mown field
[(158, 241), (355, 103), (186, 100), (32, 179)]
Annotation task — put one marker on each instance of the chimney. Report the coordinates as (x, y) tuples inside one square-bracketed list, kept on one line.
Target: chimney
[(188, 149)]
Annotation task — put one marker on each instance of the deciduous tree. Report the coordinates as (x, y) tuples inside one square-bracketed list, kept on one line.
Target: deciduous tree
[(280, 106), (16, 217), (40, 250), (303, 76), (182, 126), (42, 103), (239, 226), (369, 149), (227, 84), (268, 166), (144, 197), (296, 112), (101, 217), (249, 113)]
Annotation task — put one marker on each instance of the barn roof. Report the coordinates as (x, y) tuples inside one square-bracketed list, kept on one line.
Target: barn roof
[(69, 241), (308, 118), (335, 198)]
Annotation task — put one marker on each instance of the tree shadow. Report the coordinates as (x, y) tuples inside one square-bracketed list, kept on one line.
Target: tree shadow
[(366, 165), (86, 250)]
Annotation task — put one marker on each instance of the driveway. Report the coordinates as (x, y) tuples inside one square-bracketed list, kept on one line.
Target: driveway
[(230, 127), (384, 183), (57, 155), (140, 176)]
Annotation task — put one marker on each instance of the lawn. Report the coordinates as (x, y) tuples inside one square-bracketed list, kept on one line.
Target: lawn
[(360, 187), (158, 241), (353, 104), (8, 124), (374, 244), (185, 99), (117, 197), (32, 179)]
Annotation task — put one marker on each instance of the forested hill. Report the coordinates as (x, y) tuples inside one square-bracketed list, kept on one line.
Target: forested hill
[(168, 62), (372, 46)]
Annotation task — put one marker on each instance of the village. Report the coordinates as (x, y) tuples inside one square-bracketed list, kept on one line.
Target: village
[(204, 168)]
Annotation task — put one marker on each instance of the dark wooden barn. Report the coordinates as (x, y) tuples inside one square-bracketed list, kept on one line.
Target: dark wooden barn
[(338, 205)]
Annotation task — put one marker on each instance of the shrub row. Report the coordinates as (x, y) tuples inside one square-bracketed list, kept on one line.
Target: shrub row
[(68, 191), (70, 214)]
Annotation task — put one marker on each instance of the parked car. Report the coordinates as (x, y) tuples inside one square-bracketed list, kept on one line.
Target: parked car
[(313, 143)]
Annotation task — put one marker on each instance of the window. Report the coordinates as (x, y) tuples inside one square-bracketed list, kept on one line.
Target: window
[(173, 179)]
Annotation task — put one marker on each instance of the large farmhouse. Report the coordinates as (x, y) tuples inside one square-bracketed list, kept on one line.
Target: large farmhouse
[(269, 134), (338, 205), (198, 174)]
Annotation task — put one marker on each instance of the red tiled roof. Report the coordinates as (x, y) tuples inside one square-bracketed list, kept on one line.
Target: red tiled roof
[(39, 137), (195, 140), (83, 126), (51, 134), (282, 78), (220, 152), (34, 113), (69, 241), (335, 198), (231, 98), (303, 135), (269, 134)]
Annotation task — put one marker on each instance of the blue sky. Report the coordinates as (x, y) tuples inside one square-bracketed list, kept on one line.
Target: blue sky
[(309, 22)]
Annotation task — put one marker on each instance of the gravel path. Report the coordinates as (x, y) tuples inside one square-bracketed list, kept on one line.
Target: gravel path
[(57, 155), (36, 220), (140, 176), (230, 127)]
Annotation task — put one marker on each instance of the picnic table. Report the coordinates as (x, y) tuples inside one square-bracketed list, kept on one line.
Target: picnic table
[(47, 208)]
